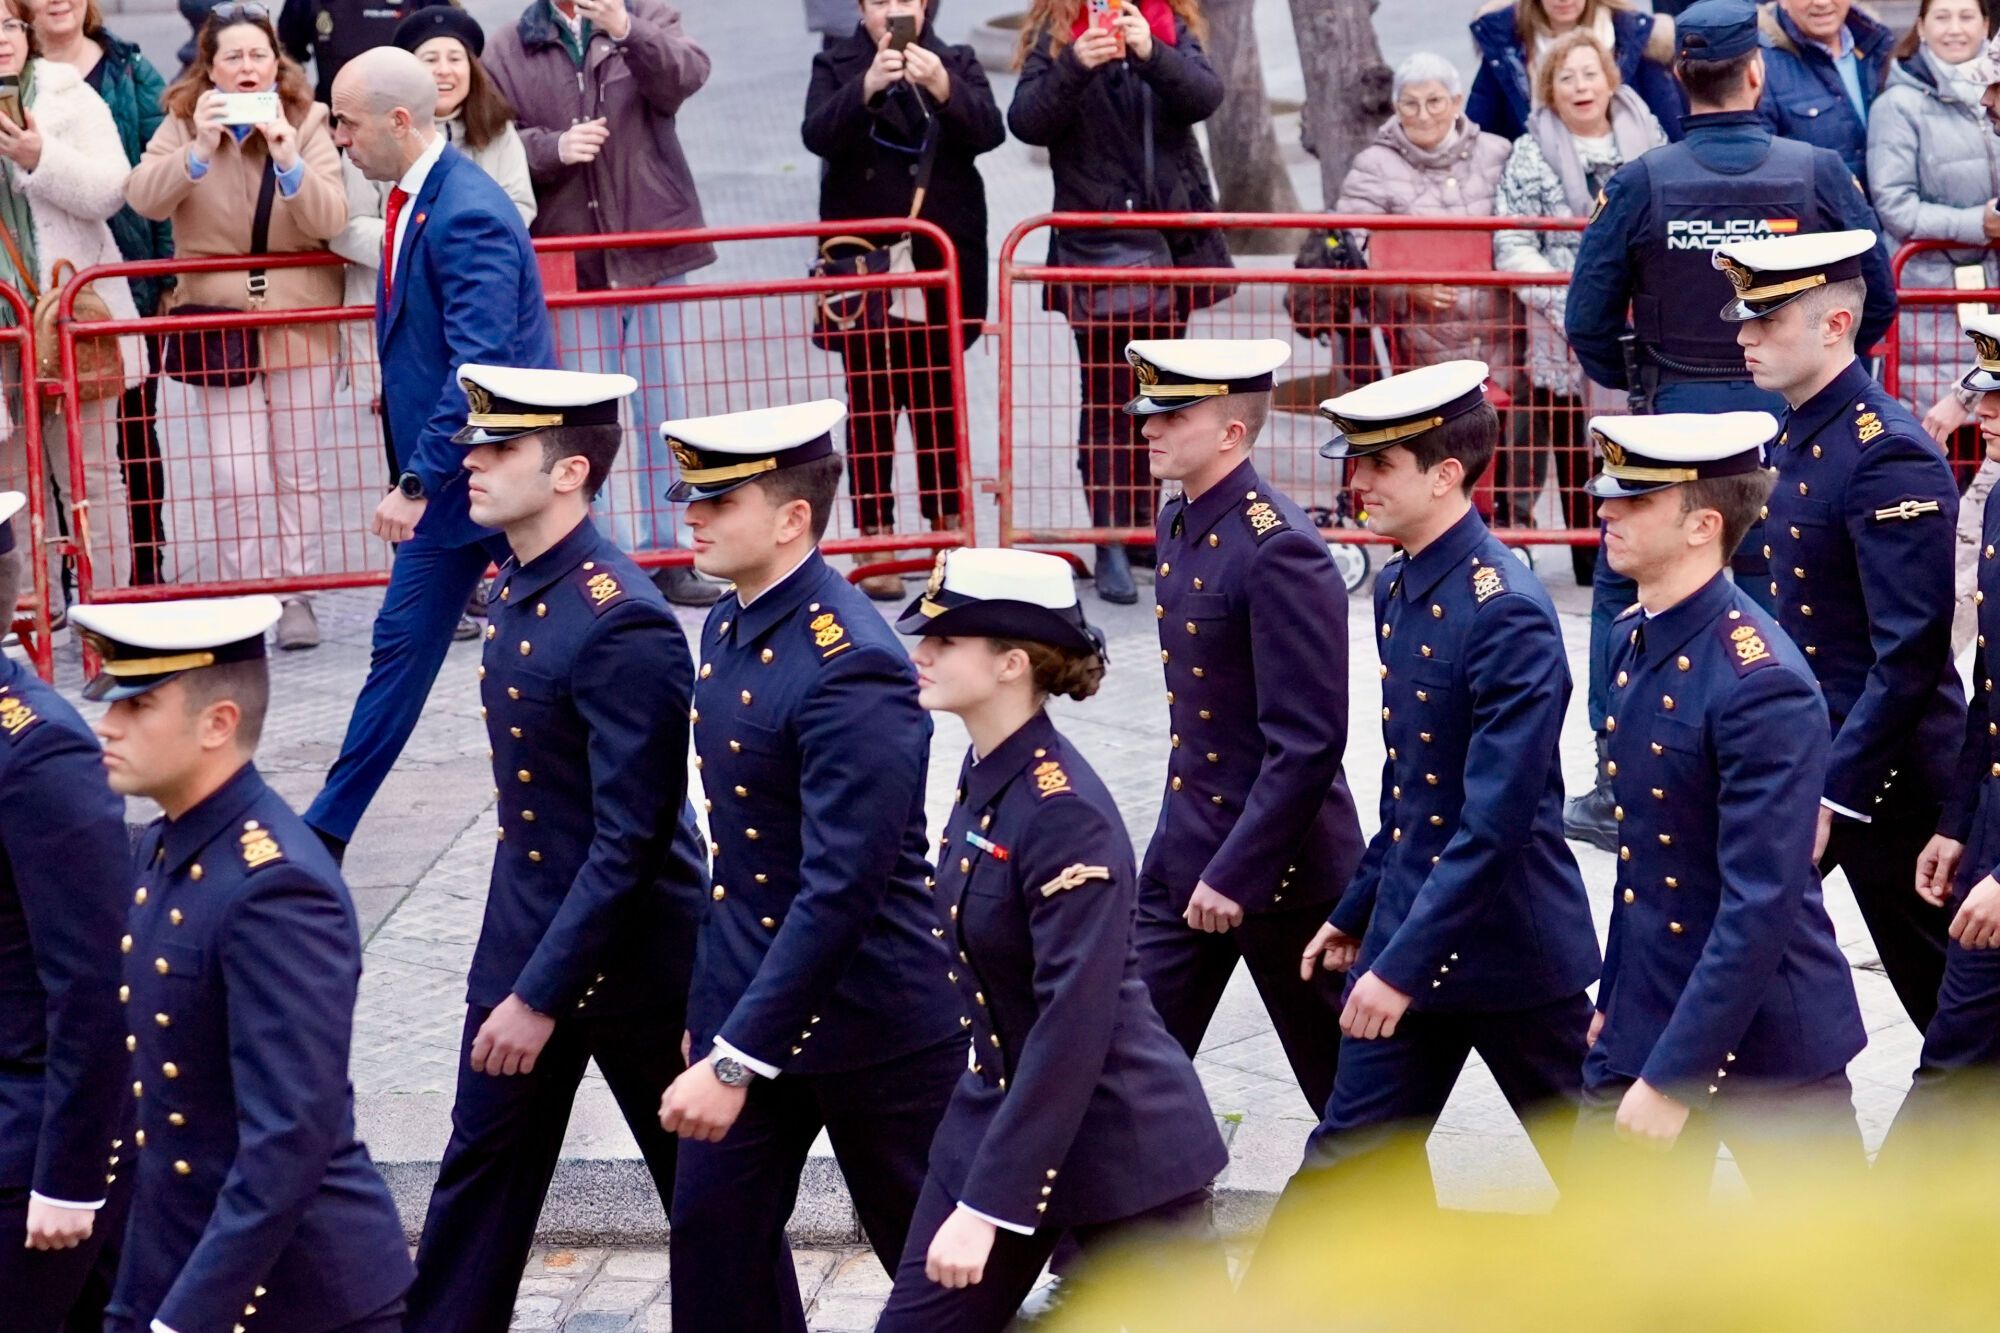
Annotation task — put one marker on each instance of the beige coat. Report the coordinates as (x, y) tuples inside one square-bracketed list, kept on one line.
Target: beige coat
[(212, 216)]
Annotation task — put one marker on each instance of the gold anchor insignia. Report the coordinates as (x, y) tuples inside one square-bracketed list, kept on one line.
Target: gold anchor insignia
[(1262, 518), (15, 716), (602, 588), (1867, 426), (1486, 582), (684, 454), (259, 848), (1614, 452), (1074, 875), (1748, 644), (936, 584), (1148, 373), (1050, 778), (826, 630), (1740, 277), (1987, 348), (477, 398), (1908, 509)]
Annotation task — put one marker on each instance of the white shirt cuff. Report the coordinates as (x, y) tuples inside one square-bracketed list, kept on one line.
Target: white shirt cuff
[(65, 1203), (1845, 813), (159, 1327), (1004, 1226), (757, 1067)]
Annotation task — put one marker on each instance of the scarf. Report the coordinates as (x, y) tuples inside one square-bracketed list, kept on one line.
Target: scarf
[(1631, 132), (1158, 14), (1952, 80)]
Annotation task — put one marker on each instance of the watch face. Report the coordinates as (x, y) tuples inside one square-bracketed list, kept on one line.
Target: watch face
[(730, 1073)]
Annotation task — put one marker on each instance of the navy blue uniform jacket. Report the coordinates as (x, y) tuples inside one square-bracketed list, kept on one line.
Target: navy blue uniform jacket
[(584, 686), (1253, 643), (1468, 897), (1722, 961), (65, 863), (466, 289), (817, 953), (1078, 1107), (255, 1205)]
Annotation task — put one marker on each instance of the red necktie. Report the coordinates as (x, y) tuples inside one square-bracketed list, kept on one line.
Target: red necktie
[(398, 196)]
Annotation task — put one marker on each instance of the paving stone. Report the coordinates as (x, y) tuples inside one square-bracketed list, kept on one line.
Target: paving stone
[(535, 1312), (648, 1265), (611, 1294)]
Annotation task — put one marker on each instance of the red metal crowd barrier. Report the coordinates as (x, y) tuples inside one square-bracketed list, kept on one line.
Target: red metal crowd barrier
[(1926, 350), (268, 486), (25, 470)]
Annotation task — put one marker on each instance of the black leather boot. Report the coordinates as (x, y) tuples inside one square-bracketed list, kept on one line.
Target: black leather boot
[(1589, 817)]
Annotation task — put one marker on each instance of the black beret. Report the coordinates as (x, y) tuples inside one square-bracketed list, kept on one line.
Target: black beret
[(441, 21)]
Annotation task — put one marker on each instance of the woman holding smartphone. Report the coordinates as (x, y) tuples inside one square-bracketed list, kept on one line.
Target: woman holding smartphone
[(1114, 93), (232, 450), (1077, 1112), (63, 177)]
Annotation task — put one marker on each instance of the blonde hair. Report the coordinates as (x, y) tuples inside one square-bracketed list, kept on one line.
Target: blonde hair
[(1551, 62)]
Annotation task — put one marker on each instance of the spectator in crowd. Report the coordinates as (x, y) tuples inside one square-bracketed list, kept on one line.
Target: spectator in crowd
[(876, 115), (330, 33), (1934, 169), (72, 32), (1586, 124), (595, 85), (1116, 108), (1515, 38), (196, 14), (1824, 62), (1427, 160), (64, 176), (230, 450), (831, 19)]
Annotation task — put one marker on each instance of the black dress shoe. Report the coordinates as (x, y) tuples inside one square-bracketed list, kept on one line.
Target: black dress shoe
[(683, 587), (1114, 576)]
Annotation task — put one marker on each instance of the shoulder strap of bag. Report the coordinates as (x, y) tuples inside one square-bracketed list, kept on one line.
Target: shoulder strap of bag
[(260, 227), (928, 158), (20, 265), (1146, 135)]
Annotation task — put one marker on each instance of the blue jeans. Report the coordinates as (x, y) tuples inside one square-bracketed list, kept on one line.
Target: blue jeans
[(642, 340)]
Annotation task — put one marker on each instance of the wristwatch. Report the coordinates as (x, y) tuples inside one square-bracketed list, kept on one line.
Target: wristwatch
[(411, 485), (730, 1073)]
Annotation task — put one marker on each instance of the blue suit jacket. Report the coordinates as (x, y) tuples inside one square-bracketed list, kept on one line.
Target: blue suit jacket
[(64, 861), (466, 289)]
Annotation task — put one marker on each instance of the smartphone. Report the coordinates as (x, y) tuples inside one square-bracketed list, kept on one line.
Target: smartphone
[(249, 108), (1104, 14), (902, 30), (10, 100)]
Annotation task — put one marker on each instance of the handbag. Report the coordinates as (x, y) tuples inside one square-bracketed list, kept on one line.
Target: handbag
[(839, 316), (225, 358), (100, 365), (1113, 247)]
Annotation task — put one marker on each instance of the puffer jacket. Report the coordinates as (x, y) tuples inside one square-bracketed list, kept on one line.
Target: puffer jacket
[(1934, 169), (640, 181), (1089, 122), (1460, 177), (1502, 94), (1531, 186), (1804, 98)]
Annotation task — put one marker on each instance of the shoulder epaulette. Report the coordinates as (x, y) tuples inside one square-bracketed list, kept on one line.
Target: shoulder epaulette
[(829, 636), (16, 718), (1050, 779), (599, 588), (1867, 424), (259, 847), (1263, 517), (1487, 583), (1748, 651)]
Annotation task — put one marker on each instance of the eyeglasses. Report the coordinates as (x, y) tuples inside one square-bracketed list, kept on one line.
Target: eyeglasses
[(13, 28), (231, 13), (1430, 106)]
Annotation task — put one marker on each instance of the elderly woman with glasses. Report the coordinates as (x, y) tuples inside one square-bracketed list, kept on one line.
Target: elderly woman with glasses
[(1426, 160), (61, 177), (232, 448)]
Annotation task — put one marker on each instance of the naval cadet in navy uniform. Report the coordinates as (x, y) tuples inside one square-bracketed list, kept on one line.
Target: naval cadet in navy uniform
[(1960, 868), (588, 939), (1727, 1010), (1861, 533), (254, 1206), (64, 866), (1071, 1066), (1467, 928), (819, 997), (1257, 833)]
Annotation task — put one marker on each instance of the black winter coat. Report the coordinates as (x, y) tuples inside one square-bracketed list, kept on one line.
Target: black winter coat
[(872, 149), (1089, 122)]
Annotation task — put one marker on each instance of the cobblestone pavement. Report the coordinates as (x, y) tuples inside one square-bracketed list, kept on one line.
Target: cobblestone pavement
[(625, 1291)]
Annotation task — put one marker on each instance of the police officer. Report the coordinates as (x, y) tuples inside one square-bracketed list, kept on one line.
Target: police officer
[(1726, 1009), (1257, 834), (254, 1205), (1070, 1062), (1958, 868), (588, 940), (1647, 249), (820, 999), (1466, 928), (332, 32), (1861, 534), (64, 862)]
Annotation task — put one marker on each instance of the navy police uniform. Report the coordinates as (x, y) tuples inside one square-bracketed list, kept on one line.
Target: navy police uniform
[(1253, 645), (1861, 532), (1468, 900), (1964, 1035), (1078, 1111), (816, 959), (64, 863), (1724, 987), (254, 1205), (585, 683)]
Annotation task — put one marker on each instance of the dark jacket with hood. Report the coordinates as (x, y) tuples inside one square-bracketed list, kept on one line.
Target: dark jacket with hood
[(872, 149), (1502, 94), (132, 89), (1804, 98)]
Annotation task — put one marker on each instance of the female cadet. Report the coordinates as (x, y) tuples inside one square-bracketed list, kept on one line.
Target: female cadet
[(1077, 1111)]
